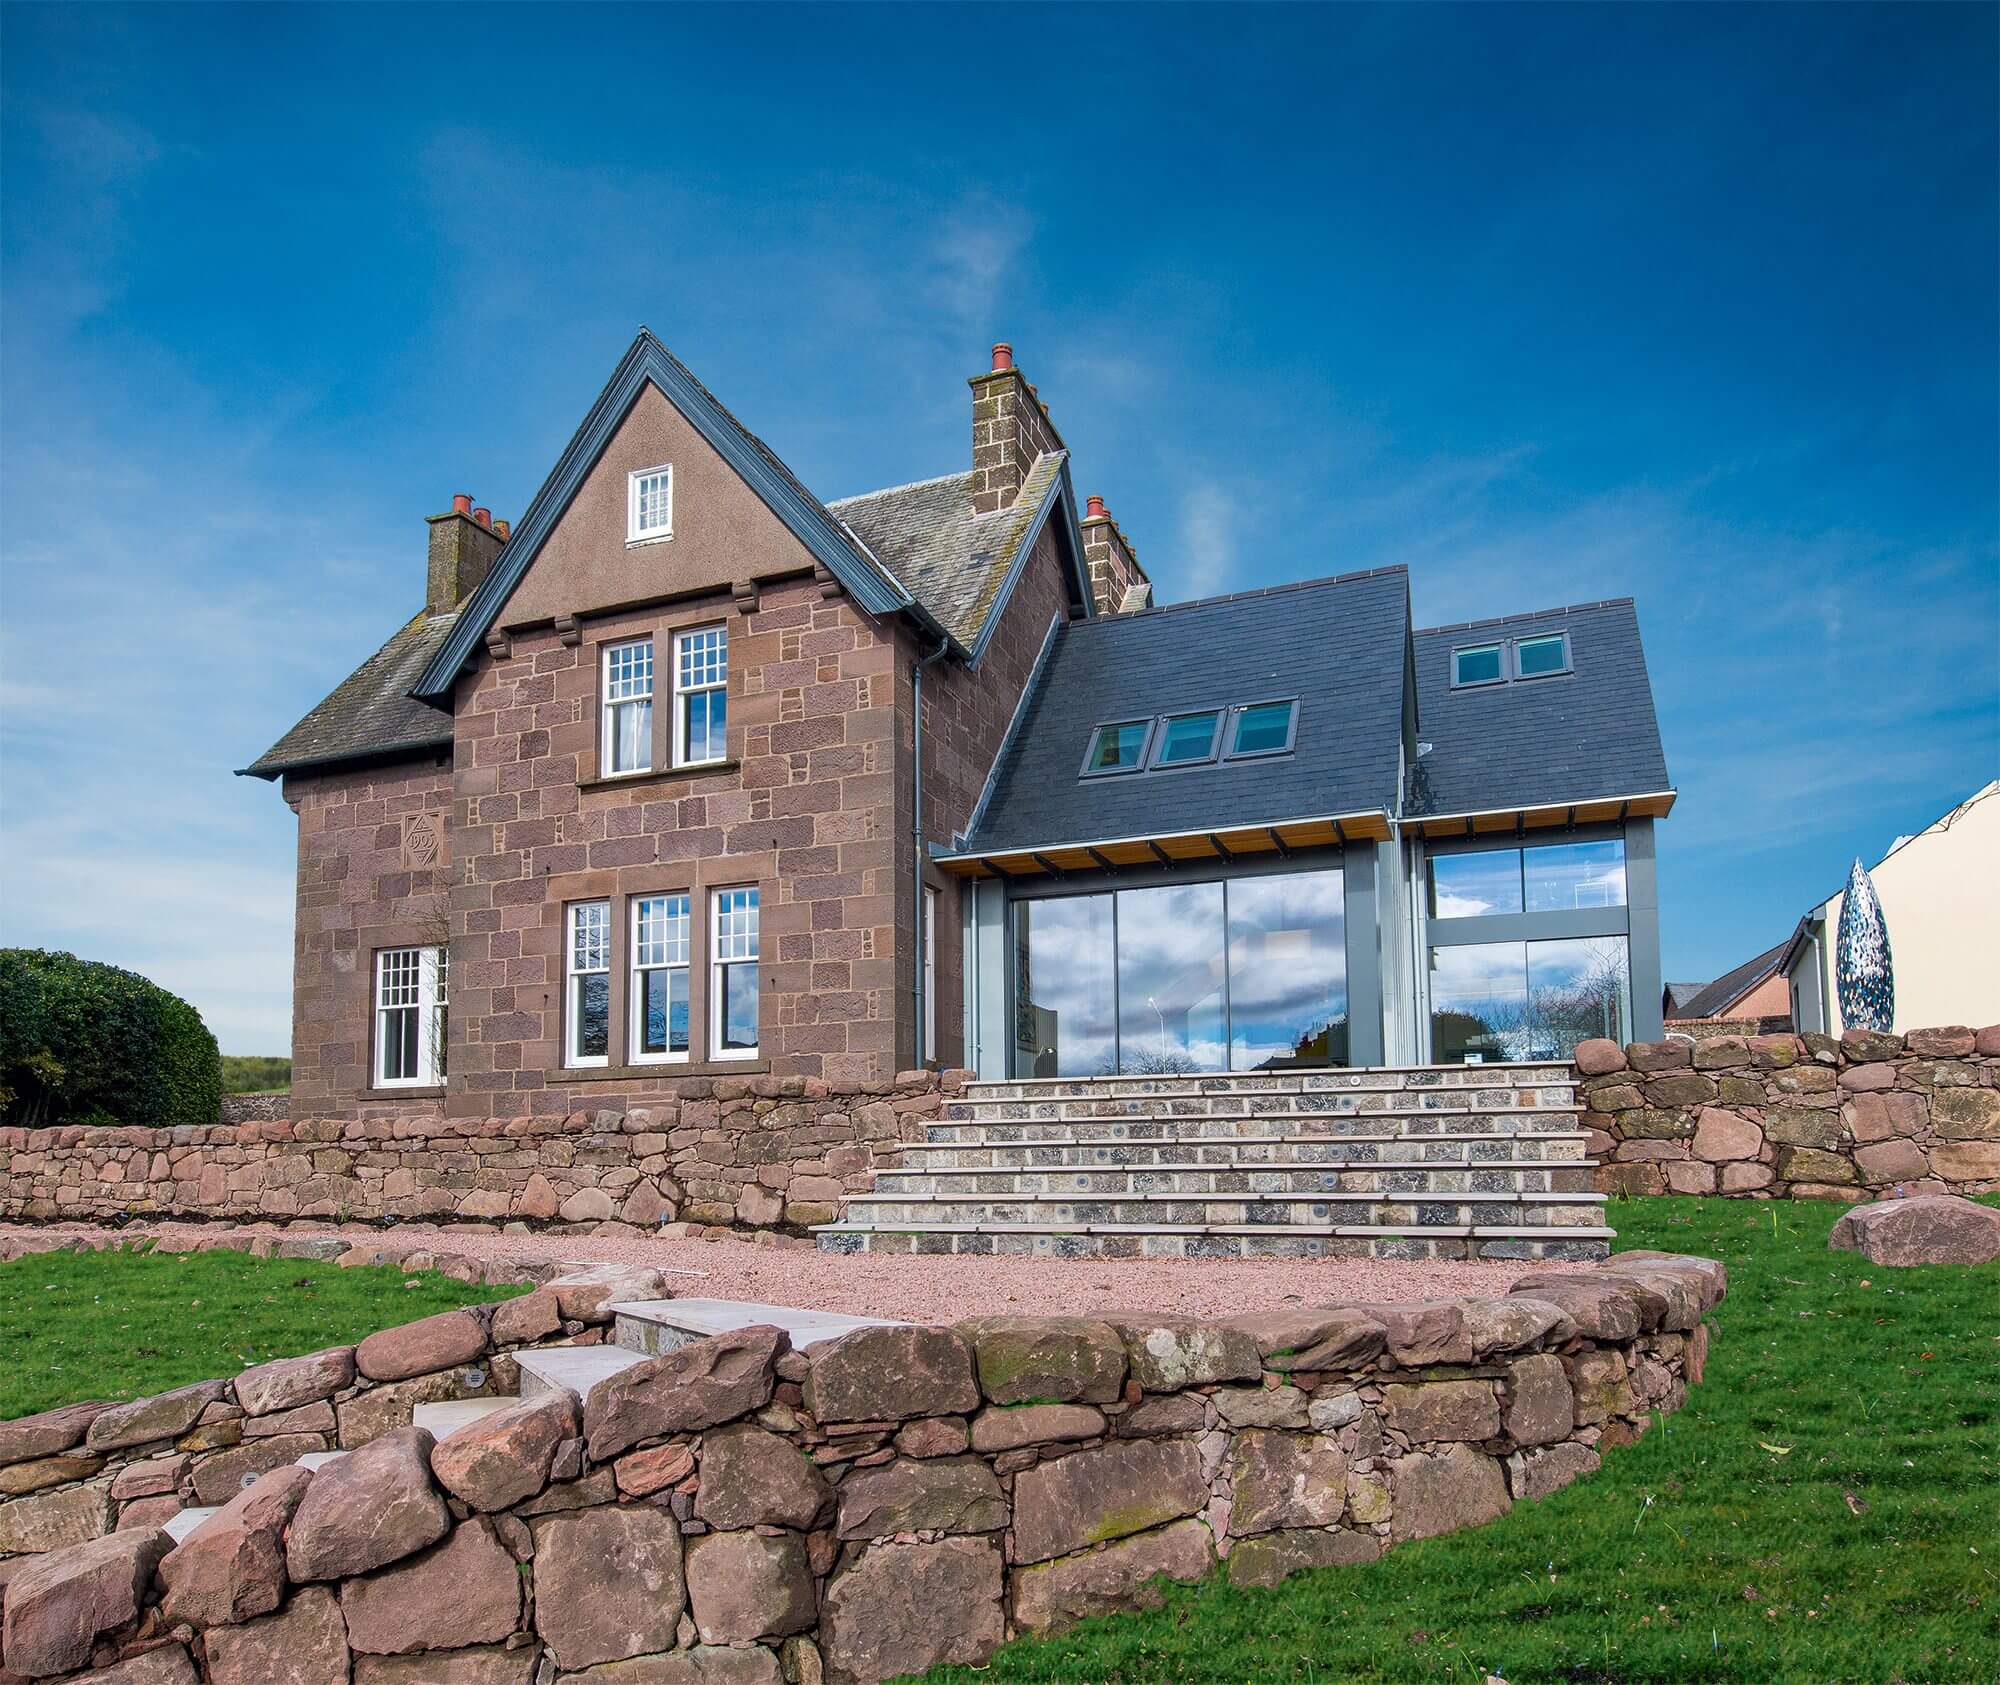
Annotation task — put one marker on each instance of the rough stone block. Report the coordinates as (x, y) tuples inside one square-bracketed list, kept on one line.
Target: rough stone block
[(1535, 1474), (290, 1382), (1432, 1410), (697, 1386), (1286, 1480), (1038, 1359), (449, 1340), (1120, 1576), (891, 1374), (608, 1583), (1271, 1558), (369, 1508), (747, 1585), (1458, 1487), (231, 1568), (62, 1603), (463, 1590), (902, 1608), (752, 1478), (304, 1643), (165, 1415), (1168, 1354), (1926, 1229), (495, 1462), (1541, 1409), (1104, 1493), (939, 1495)]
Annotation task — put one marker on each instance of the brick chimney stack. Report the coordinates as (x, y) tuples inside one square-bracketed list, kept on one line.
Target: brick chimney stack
[(464, 541), (1118, 584), (1010, 428)]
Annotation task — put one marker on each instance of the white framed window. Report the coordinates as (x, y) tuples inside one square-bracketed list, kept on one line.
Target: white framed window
[(587, 994), (701, 695), (628, 708), (732, 984), (649, 504), (411, 993), (659, 978), (928, 1046)]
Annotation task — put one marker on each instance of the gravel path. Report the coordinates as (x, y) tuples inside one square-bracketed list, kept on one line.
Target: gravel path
[(942, 1289)]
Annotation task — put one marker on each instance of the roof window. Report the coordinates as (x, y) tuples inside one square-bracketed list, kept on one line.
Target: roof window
[(1479, 664), (1543, 656), (1188, 739), (1537, 658), (1117, 748), (1262, 728)]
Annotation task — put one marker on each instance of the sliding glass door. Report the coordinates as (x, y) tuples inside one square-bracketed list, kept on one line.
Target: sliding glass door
[(1243, 974)]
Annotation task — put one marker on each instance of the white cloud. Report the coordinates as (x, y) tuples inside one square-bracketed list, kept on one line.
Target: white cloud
[(1208, 536)]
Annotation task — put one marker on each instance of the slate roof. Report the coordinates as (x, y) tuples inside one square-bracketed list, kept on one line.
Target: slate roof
[(1679, 994), (370, 712), (1712, 1000), (1336, 644), (1539, 742)]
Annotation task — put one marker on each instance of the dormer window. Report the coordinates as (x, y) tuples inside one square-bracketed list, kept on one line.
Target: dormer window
[(650, 505)]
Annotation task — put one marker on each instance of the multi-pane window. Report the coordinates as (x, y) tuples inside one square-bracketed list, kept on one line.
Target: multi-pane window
[(701, 692), (1544, 878), (628, 707), (650, 504), (411, 992), (733, 974), (587, 964), (660, 977)]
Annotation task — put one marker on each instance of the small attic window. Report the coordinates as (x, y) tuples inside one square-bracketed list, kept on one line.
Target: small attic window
[(1478, 664), (1116, 748), (650, 504), (1262, 728), (1538, 658), (1188, 739)]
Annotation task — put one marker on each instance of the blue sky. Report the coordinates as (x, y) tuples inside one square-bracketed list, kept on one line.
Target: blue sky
[(1693, 304)]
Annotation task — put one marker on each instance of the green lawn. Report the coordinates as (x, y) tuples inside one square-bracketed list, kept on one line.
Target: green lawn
[(1826, 1507), (118, 1325)]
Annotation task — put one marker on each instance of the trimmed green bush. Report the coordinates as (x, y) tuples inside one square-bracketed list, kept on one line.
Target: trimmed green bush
[(82, 1042)]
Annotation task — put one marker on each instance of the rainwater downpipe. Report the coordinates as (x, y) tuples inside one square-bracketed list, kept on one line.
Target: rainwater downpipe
[(917, 844)]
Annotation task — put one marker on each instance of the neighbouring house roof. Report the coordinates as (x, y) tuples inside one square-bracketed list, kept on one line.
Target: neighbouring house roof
[(1585, 734), (1713, 1000), (954, 562), (1679, 994), (1336, 644), (370, 713), (916, 549)]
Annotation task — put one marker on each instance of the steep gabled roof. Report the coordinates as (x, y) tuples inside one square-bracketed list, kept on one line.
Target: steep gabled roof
[(1714, 999), (864, 578), (370, 713), (1543, 742), (1335, 644)]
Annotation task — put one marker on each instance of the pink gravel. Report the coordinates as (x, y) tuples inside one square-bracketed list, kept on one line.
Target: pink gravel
[(922, 1289)]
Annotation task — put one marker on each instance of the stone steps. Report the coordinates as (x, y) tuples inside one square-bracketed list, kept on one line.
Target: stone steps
[(575, 1368), (652, 1326), (1241, 1240), (1448, 1161), (1425, 1209), (1373, 1179)]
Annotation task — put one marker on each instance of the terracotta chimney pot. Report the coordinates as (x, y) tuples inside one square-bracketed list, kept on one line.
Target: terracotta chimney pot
[(503, 528), (483, 516), (461, 503), (1003, 357), (1093, 508)]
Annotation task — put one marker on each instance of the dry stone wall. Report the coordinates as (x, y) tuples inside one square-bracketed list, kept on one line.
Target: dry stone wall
[(736, 1512), (1809, 1117), (755, 1152)]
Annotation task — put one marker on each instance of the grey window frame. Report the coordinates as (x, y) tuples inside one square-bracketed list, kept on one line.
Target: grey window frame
[(1151, 727), (1159, 739), (1229, 750), (1514, 656)]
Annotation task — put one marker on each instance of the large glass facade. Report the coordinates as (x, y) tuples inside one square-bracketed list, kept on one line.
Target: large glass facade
[(1172, 1015), (1527, 1000), (1541, 878), (1247, 974)]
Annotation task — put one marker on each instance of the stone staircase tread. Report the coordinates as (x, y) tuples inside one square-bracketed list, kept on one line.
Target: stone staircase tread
[(317, 1459), (577, 1369), (701, 1318), (1457, 1231), (1527, 1196), (1157, 1168), (1236, 1140), (446, 1417)]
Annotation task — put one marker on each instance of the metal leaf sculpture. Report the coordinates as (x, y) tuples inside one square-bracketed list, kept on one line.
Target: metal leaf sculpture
[(1862, 969)]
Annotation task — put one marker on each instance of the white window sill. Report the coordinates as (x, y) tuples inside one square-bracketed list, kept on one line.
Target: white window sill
[(649, 538)]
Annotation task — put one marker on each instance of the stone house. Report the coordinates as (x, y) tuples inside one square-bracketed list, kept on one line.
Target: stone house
[(690, 774)]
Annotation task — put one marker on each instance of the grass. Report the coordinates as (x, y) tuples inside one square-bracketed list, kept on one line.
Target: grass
[(118, 1325), (255, 1073), (1825, 1508)]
